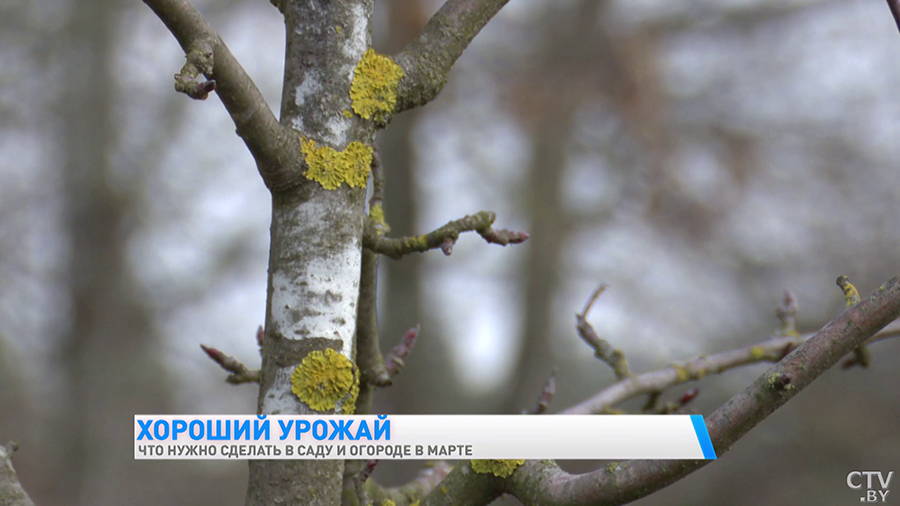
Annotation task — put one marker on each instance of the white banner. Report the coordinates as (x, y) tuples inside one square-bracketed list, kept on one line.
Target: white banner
[(423, 437)]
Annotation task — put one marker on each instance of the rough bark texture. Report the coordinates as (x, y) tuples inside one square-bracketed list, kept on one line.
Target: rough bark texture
[(11, 491), (315, 256)]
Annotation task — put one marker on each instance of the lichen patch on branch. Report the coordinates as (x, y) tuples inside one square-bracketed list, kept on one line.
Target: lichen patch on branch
[(497, 467), (374, 88), (330, 167)]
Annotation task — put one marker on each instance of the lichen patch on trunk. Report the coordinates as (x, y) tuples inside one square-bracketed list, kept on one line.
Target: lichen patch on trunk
[(330, 167)]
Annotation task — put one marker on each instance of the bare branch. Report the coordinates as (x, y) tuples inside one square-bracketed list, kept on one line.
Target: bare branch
[(853, 327), (787, 313), (669, 407), (355, 482), (464, 486), (661, 380), (11, 491), (368, 355), (239, 372), (427, 479), (894, 5), (279, 4), (268, 141), (861, 356), (428, 59), (546, 396), (443, 238), (612, 356), (395, 360), (371, 363), (656, 382)]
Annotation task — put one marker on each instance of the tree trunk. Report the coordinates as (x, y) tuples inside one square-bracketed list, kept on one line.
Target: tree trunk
[(316, 237)]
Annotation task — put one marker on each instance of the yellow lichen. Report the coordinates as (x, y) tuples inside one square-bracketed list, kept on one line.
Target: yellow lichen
[(330, 168), (374, 88), (376, 213), (323, 379), (338, 29), (497, 467), (757, 352), (850, 293), (682, 372), (388, 502), (347, 113)]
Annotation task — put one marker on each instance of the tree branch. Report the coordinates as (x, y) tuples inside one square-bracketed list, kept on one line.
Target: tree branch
[(11, 491), (545, 397), (425, 481), (656, 382), (621, 484), (606, 352), (397, 358), (444, 237), (894, 5), (239, 372), (428, 59), (268, 141), (464, 486), (802, 360)]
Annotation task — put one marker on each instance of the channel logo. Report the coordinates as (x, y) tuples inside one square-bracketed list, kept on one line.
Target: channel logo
[(874, 485)]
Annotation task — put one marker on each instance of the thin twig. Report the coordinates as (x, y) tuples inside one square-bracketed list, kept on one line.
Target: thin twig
[(787, 313), (239, 372), (443, 238), (654, 383), (606, 352), (542, 482), (397, 358), (546, 396)]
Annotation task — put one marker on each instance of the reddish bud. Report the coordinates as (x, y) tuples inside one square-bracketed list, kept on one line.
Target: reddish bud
[(689, 396)]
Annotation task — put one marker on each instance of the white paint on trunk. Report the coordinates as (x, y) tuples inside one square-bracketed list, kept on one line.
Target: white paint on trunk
[(297, 124), (320, 302), (338, 127), (311, 85), (355, 45), (280, 399)]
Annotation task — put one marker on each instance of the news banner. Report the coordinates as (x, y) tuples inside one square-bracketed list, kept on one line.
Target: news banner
[(423, 437)]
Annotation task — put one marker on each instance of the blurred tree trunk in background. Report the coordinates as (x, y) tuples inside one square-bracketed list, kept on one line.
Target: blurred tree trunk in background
[(415, 390), (546, 106), (107, 358)]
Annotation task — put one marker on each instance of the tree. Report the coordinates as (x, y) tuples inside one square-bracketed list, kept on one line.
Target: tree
[(316, 161)]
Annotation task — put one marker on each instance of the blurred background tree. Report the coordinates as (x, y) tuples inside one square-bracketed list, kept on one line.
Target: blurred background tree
[(698, 156)]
